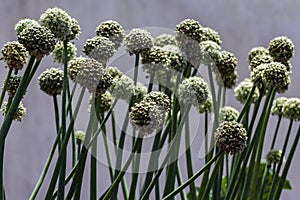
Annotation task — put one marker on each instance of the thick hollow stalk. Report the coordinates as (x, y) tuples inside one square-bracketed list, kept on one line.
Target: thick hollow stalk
[(61, 184), (63, 149), (193, 178), (5, 86)]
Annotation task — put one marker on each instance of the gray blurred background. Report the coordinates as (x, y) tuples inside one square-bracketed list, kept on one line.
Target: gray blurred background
[(241, 24)]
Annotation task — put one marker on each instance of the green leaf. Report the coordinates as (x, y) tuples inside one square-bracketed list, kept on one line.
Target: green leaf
[(268, 182)]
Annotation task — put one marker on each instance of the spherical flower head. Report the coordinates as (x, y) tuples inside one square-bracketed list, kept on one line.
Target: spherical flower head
[(38, 40), (231, 137), (105, 102), (104, 83), (56, 20), (140, 92), (58, 52), (256, 76), (277, 105), (208, 34), (155, 56), (193, 53), (273, 156), (257, 51), (74, 31), (275, 75), (175, 59), (281, 49), (20, 113), (288, 65), (260, 59), (211, 52), (226, 66), (92, 76), (13, 84), (228, 113), (51, 81), (165, 39), (155, 61), (114, 72), (123, 88), (99, 48), (242, 91), (15, 55), (160, 99), (193, 90), (188, 30), (207, 106), (25, 23), (79, 136), (291, 109), (74, 66), (146, 117), (138, 41), (111, 30)]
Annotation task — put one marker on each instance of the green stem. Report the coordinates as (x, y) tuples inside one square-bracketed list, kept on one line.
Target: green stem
[(69, 177), (5, 86), (70, 111), (134, 180), (78, 150), (10, 115), (153, 161), (287, 166), (157, 192), (83, 154), (45, 170), (263, 183), (61, 184), (15, 103), (179, 181), (171, 170), (93, 172), (193, 178), (1, 170), (205, 135), (237, 160), (261, 145), (170, 151), (114, 185), (56, 114), (276, 132), (63, 149), (89, 132), (213, 177), (189, 163), (276, 175), (247, 104)]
